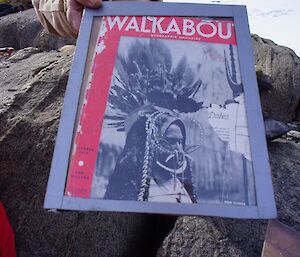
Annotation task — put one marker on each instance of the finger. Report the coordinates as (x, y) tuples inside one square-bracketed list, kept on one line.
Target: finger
[(90, 3), (74, 14), (75, 20)]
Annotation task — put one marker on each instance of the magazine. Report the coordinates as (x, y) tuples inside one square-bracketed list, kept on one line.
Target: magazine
[(163, 115)]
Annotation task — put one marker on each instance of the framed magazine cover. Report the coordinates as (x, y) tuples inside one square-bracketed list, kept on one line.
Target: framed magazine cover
[(162, 115)]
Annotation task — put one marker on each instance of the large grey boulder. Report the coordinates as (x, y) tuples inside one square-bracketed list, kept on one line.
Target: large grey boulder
[(23, 29), (282, 68), (197, 236)]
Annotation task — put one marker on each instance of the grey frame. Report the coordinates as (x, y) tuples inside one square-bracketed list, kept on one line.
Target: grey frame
[(55, 198)]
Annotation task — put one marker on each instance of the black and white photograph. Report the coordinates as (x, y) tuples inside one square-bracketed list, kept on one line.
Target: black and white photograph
[(175, 127)]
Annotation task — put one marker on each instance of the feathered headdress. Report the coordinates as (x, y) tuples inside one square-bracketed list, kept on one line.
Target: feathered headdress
[(146, 79)]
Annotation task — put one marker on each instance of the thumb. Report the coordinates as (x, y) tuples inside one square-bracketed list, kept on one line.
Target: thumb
[(90, 3), (74, 19)]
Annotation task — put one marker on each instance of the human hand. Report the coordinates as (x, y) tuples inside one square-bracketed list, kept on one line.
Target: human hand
[(75, 8)]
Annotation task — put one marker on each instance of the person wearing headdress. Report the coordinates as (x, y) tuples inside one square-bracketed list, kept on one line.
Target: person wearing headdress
[(153, 165), (146, 101)]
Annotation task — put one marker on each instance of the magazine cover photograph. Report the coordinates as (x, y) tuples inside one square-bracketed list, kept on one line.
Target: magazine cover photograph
[(163, 116)]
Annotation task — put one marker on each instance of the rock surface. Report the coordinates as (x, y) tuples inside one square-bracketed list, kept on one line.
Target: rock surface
[(194, 236), (23, 29), (282, 66), (32, 88)]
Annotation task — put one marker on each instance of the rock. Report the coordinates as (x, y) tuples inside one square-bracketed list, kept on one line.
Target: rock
[(20, 30), (285, 165), (275, 128), (67, 50), (199, 236), (263, 81), (282, 66), (47, 41), (293, 135), (21, 55), (196, 236)]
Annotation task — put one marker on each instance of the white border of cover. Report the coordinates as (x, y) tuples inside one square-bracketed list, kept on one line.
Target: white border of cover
[(55, 198)]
